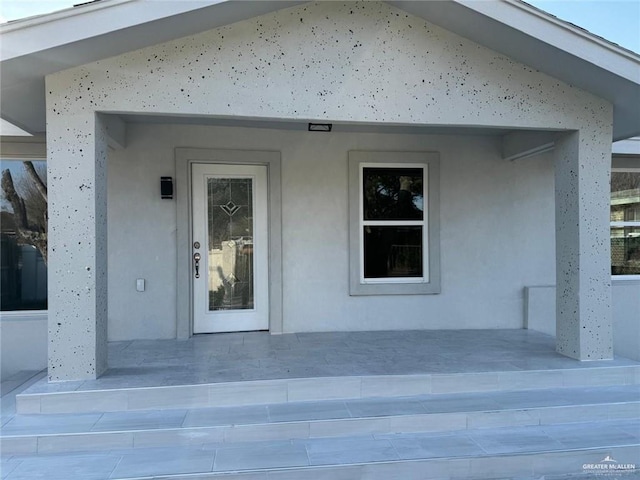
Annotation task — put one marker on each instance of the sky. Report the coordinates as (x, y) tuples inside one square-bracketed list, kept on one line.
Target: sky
[(615, 20)]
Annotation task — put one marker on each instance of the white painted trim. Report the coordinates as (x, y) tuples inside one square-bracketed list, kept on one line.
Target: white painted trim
[(625, 278), (623, 169), (625, 224), (40, 19), (560, 34), (524, 144), (9, 129), (23, 150), (630, 146), (22, 315), (43, 32), (424, 223)]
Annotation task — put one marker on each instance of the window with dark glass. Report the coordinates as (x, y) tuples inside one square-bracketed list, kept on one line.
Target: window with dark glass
[(625, 223), (393, 223), (23, 225)]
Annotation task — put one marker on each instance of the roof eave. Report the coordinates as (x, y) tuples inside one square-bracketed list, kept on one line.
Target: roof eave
[(540, 40), (35, 47)]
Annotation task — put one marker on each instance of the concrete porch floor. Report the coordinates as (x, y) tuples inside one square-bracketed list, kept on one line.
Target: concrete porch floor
[(232, 357), (363, 405)]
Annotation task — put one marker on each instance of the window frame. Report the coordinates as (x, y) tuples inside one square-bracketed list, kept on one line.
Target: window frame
[(623, 168), (429, 283)]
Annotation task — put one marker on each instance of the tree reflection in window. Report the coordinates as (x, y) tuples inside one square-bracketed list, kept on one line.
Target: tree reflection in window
[(23, 236), (393, 194), (392, 222)]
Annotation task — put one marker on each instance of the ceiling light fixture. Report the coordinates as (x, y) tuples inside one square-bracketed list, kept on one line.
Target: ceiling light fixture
[(320, 127)]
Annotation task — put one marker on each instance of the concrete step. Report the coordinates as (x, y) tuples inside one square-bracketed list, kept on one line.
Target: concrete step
[(526, 452), (42, 434), (52, 398)]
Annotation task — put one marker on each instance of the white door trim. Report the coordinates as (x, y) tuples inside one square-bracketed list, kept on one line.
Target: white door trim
[(184, 158)]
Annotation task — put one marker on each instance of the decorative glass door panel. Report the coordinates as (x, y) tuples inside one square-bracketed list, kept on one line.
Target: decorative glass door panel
[(230, 232), (229, 248)]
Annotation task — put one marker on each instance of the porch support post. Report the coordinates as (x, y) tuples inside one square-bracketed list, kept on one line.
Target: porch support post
[(583, 262), (77, 178)]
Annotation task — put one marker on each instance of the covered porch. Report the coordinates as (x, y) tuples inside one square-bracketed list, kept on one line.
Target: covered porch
[(345, 364), (123, 259)]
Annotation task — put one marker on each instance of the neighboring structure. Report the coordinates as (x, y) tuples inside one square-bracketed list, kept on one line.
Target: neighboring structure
[(463, 165)]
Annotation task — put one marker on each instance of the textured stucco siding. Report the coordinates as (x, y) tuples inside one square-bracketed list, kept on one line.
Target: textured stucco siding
[(360, 62), (583, 261), (540, 310), (354, 61)]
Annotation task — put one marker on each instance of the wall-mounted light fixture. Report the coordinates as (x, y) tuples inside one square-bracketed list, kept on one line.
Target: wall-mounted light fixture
[(166, 188), (320, 127)]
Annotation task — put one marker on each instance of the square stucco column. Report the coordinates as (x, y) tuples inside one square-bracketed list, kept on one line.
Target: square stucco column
[(77, 187), (583, 263)]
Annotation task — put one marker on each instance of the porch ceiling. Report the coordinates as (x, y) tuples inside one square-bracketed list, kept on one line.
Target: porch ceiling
[(33, 48)]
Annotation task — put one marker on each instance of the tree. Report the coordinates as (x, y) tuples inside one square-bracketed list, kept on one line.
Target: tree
[(29, 209)]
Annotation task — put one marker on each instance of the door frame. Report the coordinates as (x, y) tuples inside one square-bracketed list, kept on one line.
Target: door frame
[(184, 158)]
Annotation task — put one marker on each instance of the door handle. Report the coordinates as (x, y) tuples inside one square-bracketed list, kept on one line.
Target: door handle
[(196, 264)]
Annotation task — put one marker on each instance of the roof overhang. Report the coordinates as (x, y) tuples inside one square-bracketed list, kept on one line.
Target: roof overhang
[(32, 48), (35, 47), (557, 48), (630, 146)]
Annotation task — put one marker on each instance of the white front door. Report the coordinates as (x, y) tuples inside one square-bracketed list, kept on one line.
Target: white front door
[(230, 248)]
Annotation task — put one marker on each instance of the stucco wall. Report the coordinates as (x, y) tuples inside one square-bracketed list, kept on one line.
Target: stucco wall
[(626, 318), (497, 231), (540, 307), (363, 62), (352, 61), (23, 342)]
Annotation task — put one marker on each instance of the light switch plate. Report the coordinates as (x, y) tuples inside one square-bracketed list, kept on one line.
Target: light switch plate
[(140, 284)]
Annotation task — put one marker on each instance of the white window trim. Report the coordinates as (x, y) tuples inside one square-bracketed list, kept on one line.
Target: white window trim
[(424, 223), (21, 315), (429, 283), (625, 278)]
